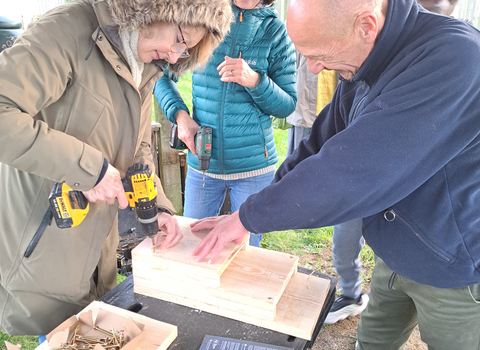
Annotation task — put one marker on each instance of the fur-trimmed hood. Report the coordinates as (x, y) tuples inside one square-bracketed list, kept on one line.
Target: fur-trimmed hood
[(214, 15)]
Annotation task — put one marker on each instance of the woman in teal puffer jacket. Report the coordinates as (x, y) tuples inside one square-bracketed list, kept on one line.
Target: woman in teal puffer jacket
[(250, 77)]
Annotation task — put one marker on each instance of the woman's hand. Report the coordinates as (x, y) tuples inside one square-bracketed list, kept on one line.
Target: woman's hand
[(187, 128), (172, 233), (236, 70), (108, 189)]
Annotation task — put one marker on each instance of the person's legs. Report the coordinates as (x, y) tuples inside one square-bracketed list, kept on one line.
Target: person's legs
[(203, 201), (347, 243), (240, 190), (447, 318), (290, 140), (296, 134), (390, 317)]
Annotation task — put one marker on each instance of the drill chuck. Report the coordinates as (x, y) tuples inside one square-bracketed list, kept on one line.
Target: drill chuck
[(203, 162), (147, 214)]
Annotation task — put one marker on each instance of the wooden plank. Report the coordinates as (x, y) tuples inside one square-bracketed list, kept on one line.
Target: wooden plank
[(179, 290), (258, 277), (158, 335), (297, 311), (253, 282), (179, 261)]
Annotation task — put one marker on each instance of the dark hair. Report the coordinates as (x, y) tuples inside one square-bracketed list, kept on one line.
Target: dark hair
[(268, 2)]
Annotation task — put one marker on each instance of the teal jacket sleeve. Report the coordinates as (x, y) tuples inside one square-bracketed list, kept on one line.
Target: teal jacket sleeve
[(168, 97), (276, 92)]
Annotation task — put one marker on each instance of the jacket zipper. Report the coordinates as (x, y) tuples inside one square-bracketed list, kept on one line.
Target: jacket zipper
[(224, 94), (395, 215)]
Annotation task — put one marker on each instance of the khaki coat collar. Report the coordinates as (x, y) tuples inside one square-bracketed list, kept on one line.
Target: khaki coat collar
[(112, 48)]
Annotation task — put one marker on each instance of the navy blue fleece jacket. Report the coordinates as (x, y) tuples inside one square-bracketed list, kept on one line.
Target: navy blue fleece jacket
[(398, 146)]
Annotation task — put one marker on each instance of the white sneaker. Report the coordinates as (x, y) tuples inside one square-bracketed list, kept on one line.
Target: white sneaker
[(344, 307)]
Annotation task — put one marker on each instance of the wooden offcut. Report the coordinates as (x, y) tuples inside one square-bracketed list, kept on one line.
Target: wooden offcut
[(157, 335)]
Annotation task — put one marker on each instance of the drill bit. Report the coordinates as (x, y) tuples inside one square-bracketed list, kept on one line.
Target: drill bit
[(153, 243), (203, 178)]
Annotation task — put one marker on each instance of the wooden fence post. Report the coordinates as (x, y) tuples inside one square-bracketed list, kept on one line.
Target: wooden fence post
[(169, 162)]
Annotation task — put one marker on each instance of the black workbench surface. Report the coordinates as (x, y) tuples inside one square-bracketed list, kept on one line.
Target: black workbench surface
[(194, 324)]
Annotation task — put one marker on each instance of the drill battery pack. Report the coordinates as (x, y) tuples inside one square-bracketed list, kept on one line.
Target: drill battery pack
[(175, 142), (69, 207)]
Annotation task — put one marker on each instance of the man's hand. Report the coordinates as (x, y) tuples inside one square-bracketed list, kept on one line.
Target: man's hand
[(187, 128), (169, 225), (226, 228), (108, 189), (236, 70)]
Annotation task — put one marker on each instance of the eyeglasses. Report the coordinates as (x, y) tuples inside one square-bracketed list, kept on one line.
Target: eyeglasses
[(181, 46)]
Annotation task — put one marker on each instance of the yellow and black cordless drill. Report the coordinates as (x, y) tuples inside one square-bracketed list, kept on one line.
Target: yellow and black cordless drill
[(141, 193), (70, 207)]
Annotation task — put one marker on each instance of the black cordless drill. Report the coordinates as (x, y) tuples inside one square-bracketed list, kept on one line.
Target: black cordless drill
[(203, 144)]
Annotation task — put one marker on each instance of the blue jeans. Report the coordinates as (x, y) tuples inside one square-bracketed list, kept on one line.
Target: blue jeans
[(41, 339), (347, 244), (202, 202)]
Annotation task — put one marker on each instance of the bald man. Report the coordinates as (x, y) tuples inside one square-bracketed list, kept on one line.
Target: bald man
[(398, 146)]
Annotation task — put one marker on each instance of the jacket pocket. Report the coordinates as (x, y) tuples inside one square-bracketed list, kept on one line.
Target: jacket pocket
[(46, 221), (474, 291), (64, 260), (261, 133), (392, 215)]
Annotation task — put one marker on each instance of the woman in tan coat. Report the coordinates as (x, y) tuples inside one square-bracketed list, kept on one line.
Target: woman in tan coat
[(75, 107)]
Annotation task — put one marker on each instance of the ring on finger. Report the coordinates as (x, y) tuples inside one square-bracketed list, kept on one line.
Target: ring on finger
[(231, 73)]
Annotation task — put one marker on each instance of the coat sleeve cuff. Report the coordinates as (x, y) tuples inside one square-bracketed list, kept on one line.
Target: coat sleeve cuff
[(262, 85), (243, 219), (84, 177), (102, 172)]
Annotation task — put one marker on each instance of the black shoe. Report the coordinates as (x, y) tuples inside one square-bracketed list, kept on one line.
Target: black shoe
[(344, 307)]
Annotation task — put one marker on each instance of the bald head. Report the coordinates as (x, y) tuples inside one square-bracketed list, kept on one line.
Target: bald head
[(324, 30), (330, 18)]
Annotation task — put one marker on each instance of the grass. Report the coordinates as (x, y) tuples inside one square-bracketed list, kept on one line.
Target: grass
[(120, 278), (281, 144), (28, 342), (298, 242), (184, 86)]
